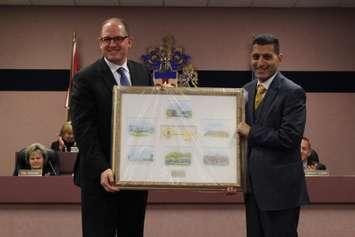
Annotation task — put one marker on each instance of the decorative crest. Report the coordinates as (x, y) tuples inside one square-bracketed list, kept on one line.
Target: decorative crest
[(170, 64)]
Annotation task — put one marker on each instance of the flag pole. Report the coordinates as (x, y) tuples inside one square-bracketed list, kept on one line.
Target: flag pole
[(74, 68)]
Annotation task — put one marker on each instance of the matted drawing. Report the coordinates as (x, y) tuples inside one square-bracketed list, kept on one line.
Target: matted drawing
[(177, 138)]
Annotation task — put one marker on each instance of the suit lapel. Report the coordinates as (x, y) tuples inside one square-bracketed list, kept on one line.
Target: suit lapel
[(132, 72), (107, 75), (251, 98), (270, 97)]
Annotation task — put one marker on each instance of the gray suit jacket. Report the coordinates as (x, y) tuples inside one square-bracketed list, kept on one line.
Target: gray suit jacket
[(274, 166)]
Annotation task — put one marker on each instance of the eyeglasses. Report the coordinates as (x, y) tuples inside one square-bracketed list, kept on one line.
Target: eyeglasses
[(116, 39)]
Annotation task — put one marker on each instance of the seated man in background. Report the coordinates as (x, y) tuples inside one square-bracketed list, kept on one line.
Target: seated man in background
[(65, 142), (37, 157), (310, 157)]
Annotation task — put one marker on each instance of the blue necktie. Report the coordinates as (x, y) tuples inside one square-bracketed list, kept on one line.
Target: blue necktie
[(123, 79)]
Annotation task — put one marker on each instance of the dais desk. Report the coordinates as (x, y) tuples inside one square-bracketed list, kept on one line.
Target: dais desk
[(61, 190)]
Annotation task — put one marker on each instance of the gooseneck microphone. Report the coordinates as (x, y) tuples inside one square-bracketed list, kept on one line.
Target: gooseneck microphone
[(52, 168)]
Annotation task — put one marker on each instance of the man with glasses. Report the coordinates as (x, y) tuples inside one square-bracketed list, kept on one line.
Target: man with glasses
[(106, 211)]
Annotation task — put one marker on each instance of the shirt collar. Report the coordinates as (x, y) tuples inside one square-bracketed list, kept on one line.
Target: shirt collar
[(267, 83), (113, 67)]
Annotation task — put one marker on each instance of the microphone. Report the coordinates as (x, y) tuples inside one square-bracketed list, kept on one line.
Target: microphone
[(52, 168)]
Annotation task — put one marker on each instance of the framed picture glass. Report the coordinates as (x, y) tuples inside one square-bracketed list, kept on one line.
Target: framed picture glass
[(177, 138)]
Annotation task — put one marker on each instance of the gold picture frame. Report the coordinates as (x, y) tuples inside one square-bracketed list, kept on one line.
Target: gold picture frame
[(177, 138)]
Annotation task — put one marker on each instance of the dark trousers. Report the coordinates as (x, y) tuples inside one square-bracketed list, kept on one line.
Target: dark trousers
[(113, 214), (279, 223)]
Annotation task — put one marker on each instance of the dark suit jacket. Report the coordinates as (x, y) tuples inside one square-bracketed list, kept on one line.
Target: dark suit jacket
[(91, 105), (274, 166), (313, 157)]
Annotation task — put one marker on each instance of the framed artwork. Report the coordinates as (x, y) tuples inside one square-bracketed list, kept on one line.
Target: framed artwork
[(177, 138)]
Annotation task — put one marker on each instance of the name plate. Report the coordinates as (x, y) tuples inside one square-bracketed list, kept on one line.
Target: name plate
[(316, 173), (25, 172)]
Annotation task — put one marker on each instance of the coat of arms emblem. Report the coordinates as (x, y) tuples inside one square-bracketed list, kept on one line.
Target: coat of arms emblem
[(170, 64)]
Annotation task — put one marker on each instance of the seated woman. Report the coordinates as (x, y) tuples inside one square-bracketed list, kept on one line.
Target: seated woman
[(65, 142), (35, 157)]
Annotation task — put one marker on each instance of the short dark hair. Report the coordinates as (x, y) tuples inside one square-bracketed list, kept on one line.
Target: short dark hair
[(264, 39)]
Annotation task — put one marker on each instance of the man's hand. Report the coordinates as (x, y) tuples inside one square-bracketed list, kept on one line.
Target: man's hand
[(243, 129), (107, 181), (231, 190), (164, 86)]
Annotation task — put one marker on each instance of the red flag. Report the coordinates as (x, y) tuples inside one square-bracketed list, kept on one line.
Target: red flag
[(74, 68)]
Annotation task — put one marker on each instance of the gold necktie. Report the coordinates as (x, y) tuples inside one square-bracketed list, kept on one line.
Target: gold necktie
[(260, 91)]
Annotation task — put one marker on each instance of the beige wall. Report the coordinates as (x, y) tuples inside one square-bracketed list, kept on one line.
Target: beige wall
[(331, 128), (28, 117), (216, 38)]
